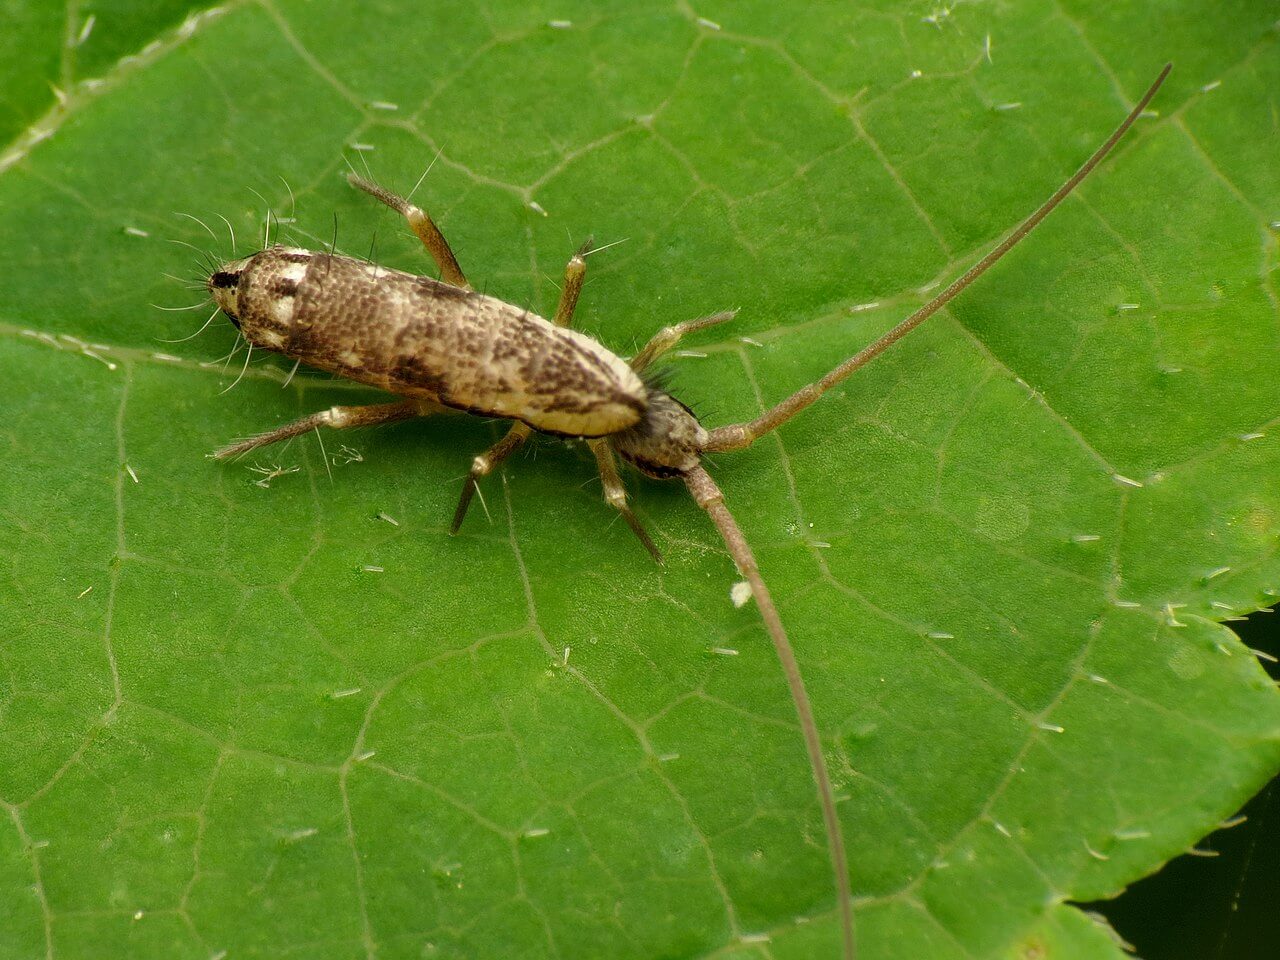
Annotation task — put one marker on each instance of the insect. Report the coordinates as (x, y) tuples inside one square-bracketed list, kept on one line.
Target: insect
[(439, 345)]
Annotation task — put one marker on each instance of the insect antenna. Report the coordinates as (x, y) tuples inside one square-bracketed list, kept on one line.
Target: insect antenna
[(738, 435), (709, 497)]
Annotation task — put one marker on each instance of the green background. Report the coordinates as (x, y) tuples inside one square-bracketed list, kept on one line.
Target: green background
[(1003, 552)]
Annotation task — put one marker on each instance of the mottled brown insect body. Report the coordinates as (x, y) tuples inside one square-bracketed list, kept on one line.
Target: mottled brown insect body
[(421, 338), (440, 344)]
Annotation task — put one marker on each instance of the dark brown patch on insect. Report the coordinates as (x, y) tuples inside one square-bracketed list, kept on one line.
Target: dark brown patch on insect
[(284, 287)]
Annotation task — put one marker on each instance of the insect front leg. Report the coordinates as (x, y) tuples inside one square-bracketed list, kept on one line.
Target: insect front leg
[(668, 337), (422, 225), (615, 494), (338, 418)]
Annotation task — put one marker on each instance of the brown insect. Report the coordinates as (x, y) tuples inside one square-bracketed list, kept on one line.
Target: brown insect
[(442, 346)]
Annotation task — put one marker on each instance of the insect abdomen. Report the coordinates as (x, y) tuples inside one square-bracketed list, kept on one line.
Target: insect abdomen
[(421, 338)]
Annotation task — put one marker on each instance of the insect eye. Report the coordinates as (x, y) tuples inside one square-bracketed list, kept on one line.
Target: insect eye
[(223, 279)]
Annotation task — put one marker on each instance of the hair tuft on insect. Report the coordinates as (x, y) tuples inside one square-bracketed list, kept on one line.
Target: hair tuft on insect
[(658, 378)]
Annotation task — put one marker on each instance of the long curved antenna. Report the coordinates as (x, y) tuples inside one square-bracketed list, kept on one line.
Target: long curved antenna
[(709, 498), (738, 435)]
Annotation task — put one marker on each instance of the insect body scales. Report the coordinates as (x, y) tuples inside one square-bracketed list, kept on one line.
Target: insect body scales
[(421, 338)]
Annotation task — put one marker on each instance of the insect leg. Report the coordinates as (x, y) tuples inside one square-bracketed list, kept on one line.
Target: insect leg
[(668, 337), (421, 224), (483, 465), (336, 417), (615, 494), (575, 273)]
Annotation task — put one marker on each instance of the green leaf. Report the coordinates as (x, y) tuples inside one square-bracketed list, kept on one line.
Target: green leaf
[(244, 715)]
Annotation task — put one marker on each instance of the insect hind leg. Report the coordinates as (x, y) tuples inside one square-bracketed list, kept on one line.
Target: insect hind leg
[(421, 224), (337, 418)]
